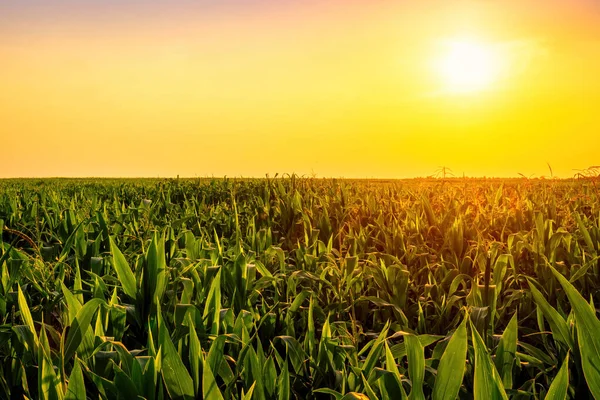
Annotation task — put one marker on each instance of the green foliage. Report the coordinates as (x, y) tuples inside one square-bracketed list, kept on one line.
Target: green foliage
[(295, 288), (451, 368), (559, 387), (588, 327), (487, 383), (506, 352)]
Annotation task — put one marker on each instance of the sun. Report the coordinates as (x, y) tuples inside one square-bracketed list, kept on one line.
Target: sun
[(468, 66)]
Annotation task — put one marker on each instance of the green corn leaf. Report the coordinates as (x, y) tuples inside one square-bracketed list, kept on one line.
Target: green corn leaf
[(248, 396), (390, 388), (240, 279), (150, 382), (368, 389), (253, 372), (336, 395), (588, 338), (392, 382), (487, 383), (355, 396), (80, 325), (216, 353), (399, 350), (177, 379), (118, 315), (375, 352), (452, 365), (294, 352), (539, 354), (26, 314), (416, 366), (124, 272), (106, 388), (210, 390), (49, 386), (283, 382), (73, 305), (195, 355), (558, 325), (505, 353), (156, 269), (212, 308), (391, 366), (69, 243), (77, 285), (298, 300), (125, 386), (269, 377), (137, 374), (76, 387), (586, 234), (559, 386), (310, 343)]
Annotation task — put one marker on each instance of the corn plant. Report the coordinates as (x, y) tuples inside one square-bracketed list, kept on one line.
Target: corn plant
[(294, 287)]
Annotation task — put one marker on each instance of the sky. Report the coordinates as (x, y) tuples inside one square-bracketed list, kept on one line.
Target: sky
[(338, 88)]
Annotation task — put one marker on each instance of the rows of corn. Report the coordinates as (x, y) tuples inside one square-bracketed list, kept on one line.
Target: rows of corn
[(299, 288)]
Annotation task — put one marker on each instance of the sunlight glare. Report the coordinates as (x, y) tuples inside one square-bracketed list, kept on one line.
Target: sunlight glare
[(468, 66)]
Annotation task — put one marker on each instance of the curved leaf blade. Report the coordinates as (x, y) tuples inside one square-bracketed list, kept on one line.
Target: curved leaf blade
[(588, 339), (452, 365), (124, 272), (487, 384), (560, 384), (79, 327)]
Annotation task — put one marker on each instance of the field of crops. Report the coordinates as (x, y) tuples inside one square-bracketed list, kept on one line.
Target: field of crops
[(299, 288)]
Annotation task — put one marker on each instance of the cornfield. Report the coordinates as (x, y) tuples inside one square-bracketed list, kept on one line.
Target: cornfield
[(300, 288)]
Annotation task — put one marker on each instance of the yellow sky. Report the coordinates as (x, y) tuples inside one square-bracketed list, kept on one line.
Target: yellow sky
[(338, 88)]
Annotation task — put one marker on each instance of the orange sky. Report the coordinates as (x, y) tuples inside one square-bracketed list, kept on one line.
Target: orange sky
[(336, 88)]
